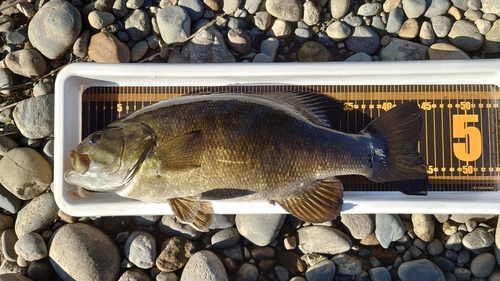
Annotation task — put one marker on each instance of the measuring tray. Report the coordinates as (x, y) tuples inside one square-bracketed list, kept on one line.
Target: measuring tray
[(459, 139)]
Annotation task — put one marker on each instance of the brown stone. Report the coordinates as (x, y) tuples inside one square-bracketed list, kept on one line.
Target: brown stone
[(409, 29), (445, 51), (105, 47), (370, 240), (384, 256), (176, 252), (291, 261)]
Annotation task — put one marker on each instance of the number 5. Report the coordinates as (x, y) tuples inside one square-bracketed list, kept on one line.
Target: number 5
[(471, 149)]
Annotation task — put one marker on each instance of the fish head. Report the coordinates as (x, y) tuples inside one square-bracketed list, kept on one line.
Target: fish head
[(108, 159)]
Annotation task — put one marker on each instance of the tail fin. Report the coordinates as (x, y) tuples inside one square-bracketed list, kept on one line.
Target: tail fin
[(396, 161)]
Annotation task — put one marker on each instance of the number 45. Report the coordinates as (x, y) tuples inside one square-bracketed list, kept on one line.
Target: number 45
[(471, 149)]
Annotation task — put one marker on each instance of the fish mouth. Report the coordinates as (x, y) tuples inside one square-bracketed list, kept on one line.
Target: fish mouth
[(80, 162)]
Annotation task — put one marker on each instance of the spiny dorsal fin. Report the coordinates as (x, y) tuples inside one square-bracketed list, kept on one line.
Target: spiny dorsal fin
[(185, 209), (203, 218), (321, 203), (182, 152)]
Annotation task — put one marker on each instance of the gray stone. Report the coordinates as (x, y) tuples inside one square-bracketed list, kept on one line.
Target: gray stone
[(134, 274), (54, 28), (423, 226), (339, 8), (472, 15), (363, 39), (30, 174), (237, 23), (207, 46), (260, 253), (420, 270), (134, 4), (31, 247), (463, 257), (120, 8), (137, 24), (9, 239), (474, 4), (40, 270), (378, 24), (98, 19), (42, 88), (234, 252), (79, 251), (462, 218), (5, 81), (9, 201), (399, 49), (490, 6), (140, 249), (6, 23), (81, 45), (287, 10), (395, 20), (435, 247), (312, 13), (462, 273), (321, 271), (478, 241), (279, 29), (322, 239), (260, 57), (204, 265), (347, 264), (369, 9), (262, 20), (454, 242), (230, 6), (353, 21), (379, 274), (483, 25), (145, 220), (26, 62), (482, 265), (444, 264), (239, 41), (465, 36), (37, 216), (6, 145), (414, 8), (246, 272), (338, 31), (389, 228), (270, 47), (302, 34), (220, 221), (441, 25), (34, 117), (492, 39), (171, 227), (252, 6), (167, 276), (175, 253), (225, 238), (194, 8), (437, 8), (282, 273), (252, 227), (138, 50), (426, 34), (174, 24), (445, 51)]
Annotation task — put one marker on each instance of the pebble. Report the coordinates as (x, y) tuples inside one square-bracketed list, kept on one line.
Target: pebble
[(353, 21), (463, 257), (323, 270), (478, 240), (389, 227), (247, 272), (425, 268), (251, 227), (26, 62), (174, 24), (167, 276), (81, 252), (225, 238), (37, 216), (120, 8), (137, 24), (312, 51), (445, 51), (483, 25), (239, 41), (194, 8), (359, 225), (423, 226), (279, 29), (441, 218), (13, 277), (472, 15), (435, 247), (409, 30), (482, 265), (399, 49), (204, 265), (414, 8), (115, 225), (31, 247), (426, 34), (81, 45), (230, 6), (9, 239), (98, 19), (302, 34), (139, 50), (338, 31), (252, 6), (441, 26), (492, 39), (140, 249), (171, 227), (363, 39), (34, 118), (490, 6), (462, 273), (260, 57), (465, 36), (30, 174), (287, 10), (134, 4), (262, 20), (437, 8), (40, 270), (6, 23), (6, 80), (339, 8), (379, 274), (237, 23), (42, 88), (134, 274), (322, 239), (6, 145), (369, 9), (454, 242), (443, 263), (347, 264), (312, 13), (105, 47), (270, 47)]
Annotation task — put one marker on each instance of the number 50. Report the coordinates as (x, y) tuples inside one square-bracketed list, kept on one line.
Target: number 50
[(471, 149)]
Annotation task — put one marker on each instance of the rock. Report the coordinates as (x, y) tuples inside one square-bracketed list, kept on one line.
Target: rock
[(140, 249), (287, 10), (175, 253), (239, 41), (207, 46), (6, 23), (359, 225), (9, 201), (81, 45), (359, 57), (454, 242), (420, 270), (409, 29), (462, 218), (13, 277), (291, 261), (79, 251), (230, 6), (9, 239), (252, 6), (414, 8), (312, 13), (444, 264), (399, 49), (483, 25), (395, 20), (116, 225), (235, 252), (194, 8), (465, 36), (134, 274), (134, 4), (260, 57), (42, 88), (30, 174), (260, 253), (31, 247), (478, 241), (312, 51), (444, 51), (98, 19), (302, 34), (6, 145), (426, 34), (441, 26), (220, 221), (105, 47), (323, 270), (37, 216), (137, 24), (139, 50), (338, 31), (40, 270), (262, 20), (492, 39), (339, 8), (225, 238), (379, 274), (363, 39), (388, 228), (436, 8), (463, 257), (390, 5), (322, 239), (146, 220), (174, 24), (251, 227), (369, 9), (482, 265), (270, 47), (120, 8), (347, 264), (490, 6), (435, 247), (247, 272), (6, 81), (280, 29), (472, 15), (171, 227), (462, 273), (423, 226), (26, 62), (204, 265), (34, 118)]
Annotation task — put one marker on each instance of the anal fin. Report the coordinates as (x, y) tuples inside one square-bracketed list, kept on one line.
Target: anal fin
[(185, 209), (321, 203), (203, 218)]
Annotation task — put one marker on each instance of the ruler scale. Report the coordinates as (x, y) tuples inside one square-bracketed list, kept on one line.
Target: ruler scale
[(459, 138)]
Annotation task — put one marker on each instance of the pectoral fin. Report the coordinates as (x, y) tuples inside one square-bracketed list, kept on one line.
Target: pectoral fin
[(203, 218), (185, 209), (321, 203), (182, 152)]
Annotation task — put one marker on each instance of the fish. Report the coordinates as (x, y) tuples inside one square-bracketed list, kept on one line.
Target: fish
[(281, 147)]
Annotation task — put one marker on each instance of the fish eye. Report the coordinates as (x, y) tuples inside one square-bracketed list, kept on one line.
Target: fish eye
[(94, 138)]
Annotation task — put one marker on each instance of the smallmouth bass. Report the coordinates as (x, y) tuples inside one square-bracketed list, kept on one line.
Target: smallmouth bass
[(280, 147)]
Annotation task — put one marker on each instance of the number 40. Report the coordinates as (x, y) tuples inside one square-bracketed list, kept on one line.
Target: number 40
[(471, 149)]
